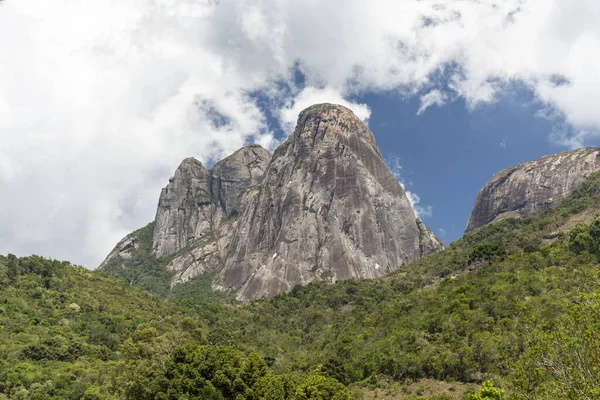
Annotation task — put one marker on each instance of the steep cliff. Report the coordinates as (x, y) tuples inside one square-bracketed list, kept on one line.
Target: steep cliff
[(185, 208), (532, 186), (193, 217), (328, 208), (324, 207), (231, 176)]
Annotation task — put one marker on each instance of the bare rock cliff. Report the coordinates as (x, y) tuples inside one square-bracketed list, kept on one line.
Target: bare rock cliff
[(184, 208), (533, 186), (323, 207), (194, 209), (328, 208), (230, 178)]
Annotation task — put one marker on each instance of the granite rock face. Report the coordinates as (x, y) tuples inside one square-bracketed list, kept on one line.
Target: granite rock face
[(328, 208), (427, 240), (196, 199), (123, 250), (184, 208), (196, 210), (323, 207), (231, 176), (533, 186)]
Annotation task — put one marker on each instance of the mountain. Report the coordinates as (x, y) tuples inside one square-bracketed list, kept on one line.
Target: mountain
[(516, 302), (324, 207), (328, 208), (532, 186), (198, 210)]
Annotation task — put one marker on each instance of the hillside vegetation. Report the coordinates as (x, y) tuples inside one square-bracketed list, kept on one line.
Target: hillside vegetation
[(145, 271), (68, 333), (516, 303)]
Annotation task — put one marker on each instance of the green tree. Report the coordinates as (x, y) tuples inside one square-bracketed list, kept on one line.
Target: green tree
[(487, 392), (318, 387)]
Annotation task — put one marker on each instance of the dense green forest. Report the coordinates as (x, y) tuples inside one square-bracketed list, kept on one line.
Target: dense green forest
[(512, 308)]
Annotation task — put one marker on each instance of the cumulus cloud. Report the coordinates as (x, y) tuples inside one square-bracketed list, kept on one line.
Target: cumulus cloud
[(99, 101)]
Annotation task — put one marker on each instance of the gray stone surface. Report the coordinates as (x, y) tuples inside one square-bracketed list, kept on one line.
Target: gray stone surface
[(196, 199), (428, 242), (185, 208), (533, 186), (231, 176), (323, 207), (124, 249), (327, 209)]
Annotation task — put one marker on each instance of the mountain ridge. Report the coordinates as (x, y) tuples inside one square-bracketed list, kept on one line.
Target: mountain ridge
[(501, 304), (532, 186), (330, 170)]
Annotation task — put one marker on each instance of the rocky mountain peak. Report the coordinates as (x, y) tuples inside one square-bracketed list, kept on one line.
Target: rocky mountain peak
[(184, 208), (347, 126), (196, 199), (328, 208), (323, 207), (533, 186), (231, 176)]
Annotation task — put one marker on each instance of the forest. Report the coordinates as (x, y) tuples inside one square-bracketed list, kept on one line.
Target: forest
[(510, 311)]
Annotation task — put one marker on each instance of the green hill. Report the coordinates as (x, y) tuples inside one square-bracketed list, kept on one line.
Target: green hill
[(516, 302), (69, 333)]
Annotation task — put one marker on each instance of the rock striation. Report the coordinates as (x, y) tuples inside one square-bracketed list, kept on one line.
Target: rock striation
[(185, 208), (533, 186), (231, 176), (196, 199), (194, 212), (323, 207)]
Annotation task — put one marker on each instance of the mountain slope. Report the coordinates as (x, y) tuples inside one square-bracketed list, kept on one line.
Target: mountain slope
[(533, 186), (63, 326), (516, 302), (477, 310), (69, 333)]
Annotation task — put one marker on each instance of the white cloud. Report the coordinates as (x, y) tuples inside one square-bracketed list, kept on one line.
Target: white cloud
[(100, 100), (434, 97), (442, 232)]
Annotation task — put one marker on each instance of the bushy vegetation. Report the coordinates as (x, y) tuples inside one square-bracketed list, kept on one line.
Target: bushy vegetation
[(68, 333), (62, 327), (516, 303), (145, 271)]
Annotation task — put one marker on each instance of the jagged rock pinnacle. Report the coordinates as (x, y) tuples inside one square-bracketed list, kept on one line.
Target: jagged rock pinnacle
[(323, 207)]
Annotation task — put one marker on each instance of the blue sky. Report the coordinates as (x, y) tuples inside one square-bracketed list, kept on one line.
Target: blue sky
[(447, 153), (100, 101)]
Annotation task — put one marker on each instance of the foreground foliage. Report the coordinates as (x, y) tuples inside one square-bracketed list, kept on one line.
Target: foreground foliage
[(68, 333)]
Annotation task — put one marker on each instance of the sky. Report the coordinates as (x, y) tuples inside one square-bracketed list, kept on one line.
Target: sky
[(100, 101)]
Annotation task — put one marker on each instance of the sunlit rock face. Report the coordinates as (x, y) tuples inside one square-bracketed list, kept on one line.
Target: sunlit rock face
[(328, 208), (184, 208), (324, 207), (533, 186)]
